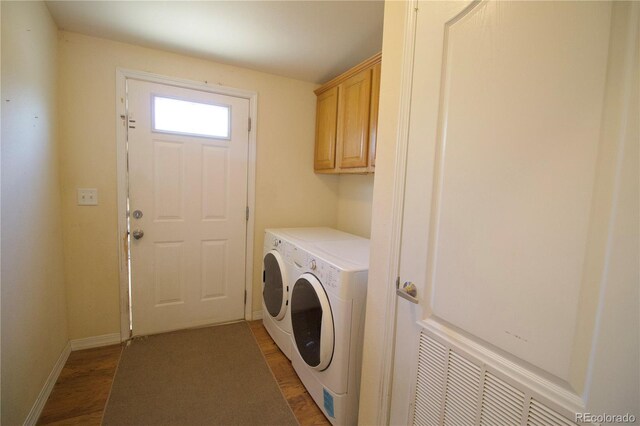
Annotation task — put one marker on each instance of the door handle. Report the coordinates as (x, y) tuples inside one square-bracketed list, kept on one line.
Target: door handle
[(408, 291), (138, 233)]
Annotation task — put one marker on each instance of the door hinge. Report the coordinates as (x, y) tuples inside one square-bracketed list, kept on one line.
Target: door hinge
[(247, 213), (245, 297), (397, 282), (125, 123)]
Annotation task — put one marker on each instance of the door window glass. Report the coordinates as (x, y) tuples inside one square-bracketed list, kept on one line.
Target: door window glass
[(273, 291), (190, 118), (306, 321)]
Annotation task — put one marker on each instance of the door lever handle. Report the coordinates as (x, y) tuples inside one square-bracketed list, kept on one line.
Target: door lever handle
[(409, 292)]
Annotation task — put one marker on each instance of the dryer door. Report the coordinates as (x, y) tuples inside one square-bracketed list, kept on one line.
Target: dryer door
[(312, 322), (275, 290)]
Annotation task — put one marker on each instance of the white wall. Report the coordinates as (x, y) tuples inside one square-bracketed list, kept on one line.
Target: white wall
[(355, 195), (288, 193), (34, 324)]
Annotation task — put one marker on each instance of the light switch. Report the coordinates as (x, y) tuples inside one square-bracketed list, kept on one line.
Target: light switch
[(87, 197)]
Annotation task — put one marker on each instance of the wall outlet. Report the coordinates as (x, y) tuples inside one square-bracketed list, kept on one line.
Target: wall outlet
[(87, 197)]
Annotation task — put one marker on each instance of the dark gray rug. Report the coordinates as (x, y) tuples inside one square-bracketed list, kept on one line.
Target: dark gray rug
[(206, 376)]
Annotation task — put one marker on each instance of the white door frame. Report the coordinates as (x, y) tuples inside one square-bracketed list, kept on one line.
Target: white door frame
[(122, 74), (397, 197)]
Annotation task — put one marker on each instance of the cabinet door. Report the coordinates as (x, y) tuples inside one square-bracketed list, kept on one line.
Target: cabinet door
[(353, 120), (373, 120), (326, 117)]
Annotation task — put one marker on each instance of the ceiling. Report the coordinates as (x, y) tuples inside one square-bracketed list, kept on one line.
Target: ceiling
[(306, 40)]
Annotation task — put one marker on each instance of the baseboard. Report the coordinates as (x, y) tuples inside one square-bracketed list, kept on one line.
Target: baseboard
[(95, 341), (36, 410), (256, 315)]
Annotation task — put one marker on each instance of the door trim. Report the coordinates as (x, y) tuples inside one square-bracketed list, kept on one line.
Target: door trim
[(122, 74), (385, 373)]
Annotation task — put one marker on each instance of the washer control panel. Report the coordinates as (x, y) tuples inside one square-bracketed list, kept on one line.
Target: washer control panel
[(273, 242)]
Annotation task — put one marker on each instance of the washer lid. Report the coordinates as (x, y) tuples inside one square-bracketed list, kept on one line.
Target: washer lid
[(274, 290), (312, 322)]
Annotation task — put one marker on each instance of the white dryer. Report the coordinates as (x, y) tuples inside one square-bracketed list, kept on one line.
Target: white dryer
[(315, 235), (327, 305), (279, 272)]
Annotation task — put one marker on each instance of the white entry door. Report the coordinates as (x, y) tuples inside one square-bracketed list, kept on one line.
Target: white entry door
[(517, 112), (187, 152)]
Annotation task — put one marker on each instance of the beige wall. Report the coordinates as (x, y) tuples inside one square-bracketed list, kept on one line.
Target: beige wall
[(288, 193), (355, 195), (392, 52), (34, 323)]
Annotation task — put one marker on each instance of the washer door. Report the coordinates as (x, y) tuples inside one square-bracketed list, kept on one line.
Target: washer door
[(274, 291), (312, 322)]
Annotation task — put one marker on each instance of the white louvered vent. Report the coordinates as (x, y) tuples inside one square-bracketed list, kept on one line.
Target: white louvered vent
[(461, 399), (540, 415), (455, 390), (431, 380), (502, 404)]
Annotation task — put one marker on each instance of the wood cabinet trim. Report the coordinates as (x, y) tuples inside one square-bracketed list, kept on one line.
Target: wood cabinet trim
[(369, 63)]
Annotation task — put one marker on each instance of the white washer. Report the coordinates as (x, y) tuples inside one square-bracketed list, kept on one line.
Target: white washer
[(327, 307), (279, 269)]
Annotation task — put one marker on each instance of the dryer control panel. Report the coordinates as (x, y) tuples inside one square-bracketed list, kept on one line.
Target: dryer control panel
[(331, 275), (327, 274)]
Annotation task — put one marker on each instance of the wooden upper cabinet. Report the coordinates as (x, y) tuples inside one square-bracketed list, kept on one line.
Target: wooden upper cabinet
[(354, 107), (346, 120), (326, 119)]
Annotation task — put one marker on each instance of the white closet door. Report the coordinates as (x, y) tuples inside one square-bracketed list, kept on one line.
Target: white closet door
[(508, 187)]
